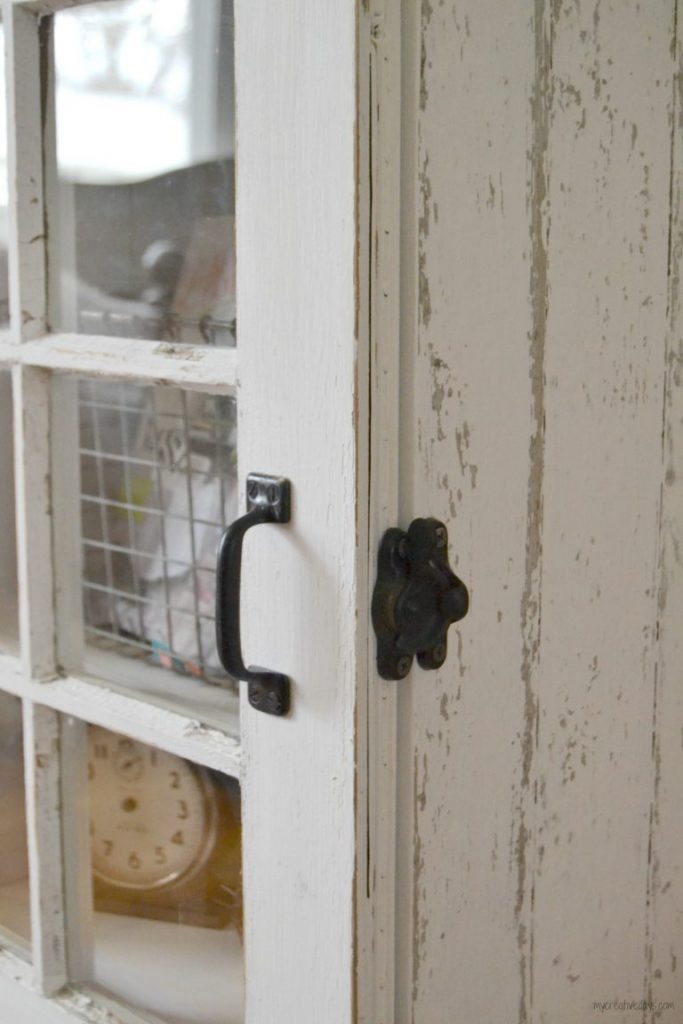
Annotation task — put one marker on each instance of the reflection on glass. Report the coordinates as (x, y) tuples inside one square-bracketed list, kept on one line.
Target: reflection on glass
[(158, 488), (8, 558), (4, 198), (166, 863), (14, 894), (145, 154)]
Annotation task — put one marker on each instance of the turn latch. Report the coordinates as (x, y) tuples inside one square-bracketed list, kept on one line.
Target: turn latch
[(416, 598)]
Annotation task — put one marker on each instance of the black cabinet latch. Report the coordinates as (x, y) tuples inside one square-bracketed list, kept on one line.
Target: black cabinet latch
[(416, 598)]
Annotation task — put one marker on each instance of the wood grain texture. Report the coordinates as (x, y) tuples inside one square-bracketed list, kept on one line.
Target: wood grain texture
[(606, 220), (44, 831), (26, 212), (31, 393), (664, 946), (377, 404), (541, 260), (296, 237), (469, 457)]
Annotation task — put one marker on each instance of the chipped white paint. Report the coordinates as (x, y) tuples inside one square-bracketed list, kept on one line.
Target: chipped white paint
[(297, 300), (296, 238), (379, 109), (42, 770), (606, 225), (26, 213), (664, 947), (31, 394), (469, 419), (545, 814), (194, 368)]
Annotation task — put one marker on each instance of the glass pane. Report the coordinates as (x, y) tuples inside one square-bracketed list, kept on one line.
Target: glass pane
[(145, 156), (158, 487), (14, 895), (165, 847), (9, 643), (4, 198)]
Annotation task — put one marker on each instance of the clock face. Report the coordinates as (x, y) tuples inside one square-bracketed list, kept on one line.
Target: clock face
[(151, 814)]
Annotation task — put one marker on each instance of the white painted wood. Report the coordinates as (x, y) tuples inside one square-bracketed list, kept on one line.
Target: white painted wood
[(296, 214), (77, 874), (44, 830), (607, 159), (94, 702), (31, 392), (539, 274), (470, 422), (9, 627), (24, 1005), (65, 480), (379, 139), (192, 367), (664, 946), (26, 216)]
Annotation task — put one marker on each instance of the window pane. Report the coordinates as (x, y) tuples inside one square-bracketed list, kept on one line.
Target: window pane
[(145, 156), (9, 642), (14, 894), (158, 487), (165, 847)]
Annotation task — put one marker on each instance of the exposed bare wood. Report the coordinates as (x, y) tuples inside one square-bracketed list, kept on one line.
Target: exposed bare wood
[(193, 367), (31, 391), (607, 223), (469, 456), (664, 941), (42, 765), (27, 226)]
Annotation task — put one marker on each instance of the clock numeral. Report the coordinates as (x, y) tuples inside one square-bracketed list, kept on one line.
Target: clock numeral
[(108, 846), (125, 744), (159, 855), (178, 838), (175, 780), (91, 770), (101, 750), (134, 861), (152, 756), (184, 813)]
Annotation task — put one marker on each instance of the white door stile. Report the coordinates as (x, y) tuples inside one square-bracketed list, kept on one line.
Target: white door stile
[(296, 226), (379, 135)]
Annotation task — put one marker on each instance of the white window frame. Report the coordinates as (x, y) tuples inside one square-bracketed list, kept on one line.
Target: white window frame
[(362, 38)]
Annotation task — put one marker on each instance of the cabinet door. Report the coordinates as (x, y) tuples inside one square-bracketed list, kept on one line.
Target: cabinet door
[(187, 219), (539, 842)]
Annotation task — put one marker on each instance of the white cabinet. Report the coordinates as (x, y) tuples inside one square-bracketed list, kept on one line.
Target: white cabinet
[(420, 260)]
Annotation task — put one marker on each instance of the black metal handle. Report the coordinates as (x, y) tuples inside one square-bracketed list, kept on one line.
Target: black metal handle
[(268, 501), (416, 598)]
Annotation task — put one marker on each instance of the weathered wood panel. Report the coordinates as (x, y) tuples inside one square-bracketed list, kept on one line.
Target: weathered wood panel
[(471, 423), (533, 425), (664, 949), (605, 220)]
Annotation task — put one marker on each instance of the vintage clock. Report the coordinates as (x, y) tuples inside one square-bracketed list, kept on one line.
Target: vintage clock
[(165, 835)]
